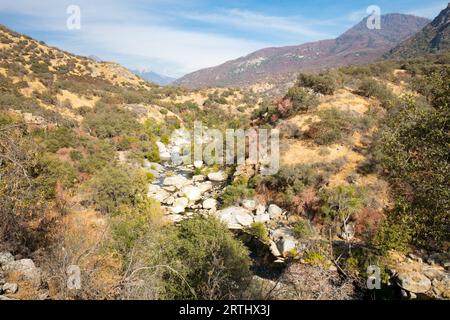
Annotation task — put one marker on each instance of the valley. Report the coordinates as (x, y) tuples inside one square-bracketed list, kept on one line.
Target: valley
[(96, 173)]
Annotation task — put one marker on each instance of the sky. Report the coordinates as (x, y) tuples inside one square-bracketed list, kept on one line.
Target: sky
[(175, 37)]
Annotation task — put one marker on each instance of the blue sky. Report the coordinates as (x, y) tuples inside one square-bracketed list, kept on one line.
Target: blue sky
[(175, 37)]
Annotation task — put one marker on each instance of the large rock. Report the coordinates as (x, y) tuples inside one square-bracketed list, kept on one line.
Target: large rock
[(414, 282), (286, 246), (153, 166), (262, 218), (249, 204), (210, 203), (26, 268), (165, 156), (205, 186), (176, 181), (260, 209), (235, 217), (5, 257), (158, 194), (217, 176), (161, 146), (198, 164), (275, 211), (192, 193)]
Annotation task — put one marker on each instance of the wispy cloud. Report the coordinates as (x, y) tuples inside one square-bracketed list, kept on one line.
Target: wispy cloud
[(430, 11), (256, 21)]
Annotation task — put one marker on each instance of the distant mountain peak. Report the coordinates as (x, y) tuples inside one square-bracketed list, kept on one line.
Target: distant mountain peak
[(154, 77), (358, 45)]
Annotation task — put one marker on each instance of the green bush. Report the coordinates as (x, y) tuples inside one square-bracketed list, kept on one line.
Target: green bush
[(320, 83), (209, 262), (303, 229), (237, 191), (259, 231), (372, 88), (335, 126), (116, 186), (301, 100)]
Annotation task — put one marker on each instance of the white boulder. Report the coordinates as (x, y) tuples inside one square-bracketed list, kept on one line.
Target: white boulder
[(219, 176)]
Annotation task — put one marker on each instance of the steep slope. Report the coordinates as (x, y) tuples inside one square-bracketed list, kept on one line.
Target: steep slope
[(278, 65), (154, 77), (434, 37)]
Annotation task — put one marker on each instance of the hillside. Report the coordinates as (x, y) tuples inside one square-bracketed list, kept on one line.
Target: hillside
[(358, 45), (434, 37)]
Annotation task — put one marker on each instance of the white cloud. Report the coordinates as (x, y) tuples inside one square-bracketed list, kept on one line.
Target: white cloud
[(250, 20)]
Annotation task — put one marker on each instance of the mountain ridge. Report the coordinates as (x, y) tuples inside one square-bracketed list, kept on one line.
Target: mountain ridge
[(357, 45)]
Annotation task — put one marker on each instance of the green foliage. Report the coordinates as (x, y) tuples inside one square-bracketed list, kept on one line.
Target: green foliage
[(372, 88), (320, 83), (237, 191), (412, 148), (209, 262), (301, 101), (342, 202), (259, 231), (109, 122), (117, 186), (335, 126), (303, 229), (52, 171)]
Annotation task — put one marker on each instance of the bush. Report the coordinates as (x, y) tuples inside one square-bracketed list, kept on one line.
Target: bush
[(321, 83), (259, 231), (335, 126), (301, 101), (116, 186), (237, 191), (372, 88), (303, 229)]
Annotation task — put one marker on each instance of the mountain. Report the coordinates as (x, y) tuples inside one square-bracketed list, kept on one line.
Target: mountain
[(279, 65), (154, 77), (433, 37)]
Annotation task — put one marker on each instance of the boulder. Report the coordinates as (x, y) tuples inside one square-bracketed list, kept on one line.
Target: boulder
[(181, 203), (205, 186), (198, 164), (198, 178), (285, 246), (249, 204), (262, 218), (210, 203), (235, 217), (176, 181), (160, 195), (260, 209), (219, 176), (154, 166), (274, 249), (5, 257), (413, 281), (192, 193), (161, 146), (26, 268), (10, 288), (165, 156), (175, 218), (275, 211)]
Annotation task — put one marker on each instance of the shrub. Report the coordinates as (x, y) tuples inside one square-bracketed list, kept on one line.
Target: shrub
[(259, 231), (116, 186), (335, 126), (303, 229), (301, 101), (372, 88), (321, 83), (237, 191)]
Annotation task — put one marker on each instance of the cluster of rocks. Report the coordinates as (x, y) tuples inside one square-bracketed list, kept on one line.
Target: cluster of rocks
[(23, 269), (428, 276), (282, 241), (180, 192)]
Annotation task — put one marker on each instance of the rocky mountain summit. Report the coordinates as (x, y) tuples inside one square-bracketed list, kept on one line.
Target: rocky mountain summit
[(358, 45)]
